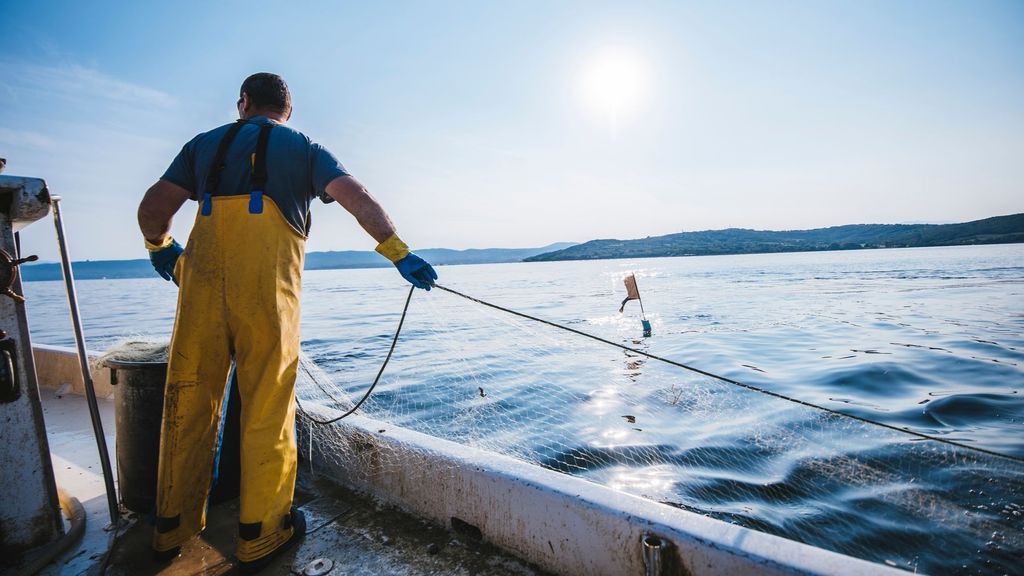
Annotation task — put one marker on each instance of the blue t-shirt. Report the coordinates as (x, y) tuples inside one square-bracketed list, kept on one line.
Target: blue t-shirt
[(298, 170)]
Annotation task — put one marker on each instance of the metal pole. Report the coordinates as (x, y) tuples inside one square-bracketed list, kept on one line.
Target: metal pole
[(639, 299), (652, 547), (643, 315), (83, 358)]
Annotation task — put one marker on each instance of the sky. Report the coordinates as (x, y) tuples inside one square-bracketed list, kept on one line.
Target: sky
[(519, 124)]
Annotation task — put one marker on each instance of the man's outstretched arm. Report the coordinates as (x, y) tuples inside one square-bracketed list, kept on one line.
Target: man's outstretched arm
[(357, 200), (371, 216)]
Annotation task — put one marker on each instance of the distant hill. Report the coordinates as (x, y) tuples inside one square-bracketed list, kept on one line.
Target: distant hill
[(436, 256), (997, 230), (115, 269)]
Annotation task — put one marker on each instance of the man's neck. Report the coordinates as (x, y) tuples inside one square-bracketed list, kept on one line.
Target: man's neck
[(275, 116)]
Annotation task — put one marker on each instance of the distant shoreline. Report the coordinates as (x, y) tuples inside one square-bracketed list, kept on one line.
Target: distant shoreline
[(141, 269), (732, 241), (996, 230)]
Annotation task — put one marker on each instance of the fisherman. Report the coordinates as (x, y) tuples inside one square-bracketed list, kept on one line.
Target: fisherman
[(239, 277)]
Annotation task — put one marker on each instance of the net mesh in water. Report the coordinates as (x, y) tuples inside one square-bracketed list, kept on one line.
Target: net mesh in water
[(490, 380)]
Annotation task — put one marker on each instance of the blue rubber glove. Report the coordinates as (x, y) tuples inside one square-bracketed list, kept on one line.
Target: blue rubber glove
[(164, 259), (416, 271)]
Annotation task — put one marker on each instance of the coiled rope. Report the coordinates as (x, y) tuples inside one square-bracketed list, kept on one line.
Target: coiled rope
[(902, 430)]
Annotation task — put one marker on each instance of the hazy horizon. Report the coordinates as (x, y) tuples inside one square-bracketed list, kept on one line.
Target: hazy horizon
[(425, 249)]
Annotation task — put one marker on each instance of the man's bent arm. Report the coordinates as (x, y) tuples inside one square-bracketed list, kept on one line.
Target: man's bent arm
[(157, 209), (357, 200)]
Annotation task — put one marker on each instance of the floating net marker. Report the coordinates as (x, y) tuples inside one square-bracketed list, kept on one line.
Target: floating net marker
[(633, 293)]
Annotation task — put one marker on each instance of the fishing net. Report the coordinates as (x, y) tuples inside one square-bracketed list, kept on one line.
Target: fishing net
[(488, 379), (137, 350)]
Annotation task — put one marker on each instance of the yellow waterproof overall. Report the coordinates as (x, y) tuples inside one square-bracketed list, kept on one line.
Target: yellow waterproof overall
[(240, 282)]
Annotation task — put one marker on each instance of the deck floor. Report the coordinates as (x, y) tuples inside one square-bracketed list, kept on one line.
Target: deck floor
[(348, 532)]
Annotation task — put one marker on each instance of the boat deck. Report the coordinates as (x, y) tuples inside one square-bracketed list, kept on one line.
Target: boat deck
[(346, 532), (562, 523)]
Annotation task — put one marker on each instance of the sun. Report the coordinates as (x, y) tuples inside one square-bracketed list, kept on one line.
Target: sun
[(614, 85)]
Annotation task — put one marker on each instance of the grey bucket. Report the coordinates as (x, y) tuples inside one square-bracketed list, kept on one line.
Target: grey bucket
[(138, 412)]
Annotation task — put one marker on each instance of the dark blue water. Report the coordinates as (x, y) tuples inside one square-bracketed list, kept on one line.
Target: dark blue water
[(928, 339)]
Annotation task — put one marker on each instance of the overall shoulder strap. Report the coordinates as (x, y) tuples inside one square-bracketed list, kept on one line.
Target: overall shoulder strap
[(213, 176), (258, 176)]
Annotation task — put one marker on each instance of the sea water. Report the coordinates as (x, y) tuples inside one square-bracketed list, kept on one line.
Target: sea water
[(927, 339)]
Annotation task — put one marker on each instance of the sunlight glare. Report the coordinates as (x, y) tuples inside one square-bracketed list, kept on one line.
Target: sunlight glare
[(613, 85)]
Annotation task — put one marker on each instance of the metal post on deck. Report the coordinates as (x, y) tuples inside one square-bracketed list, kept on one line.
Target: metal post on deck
[(652, 547), (83, 358)]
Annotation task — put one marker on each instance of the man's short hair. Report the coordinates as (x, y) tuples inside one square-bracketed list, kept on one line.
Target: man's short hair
[(268, 91)]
